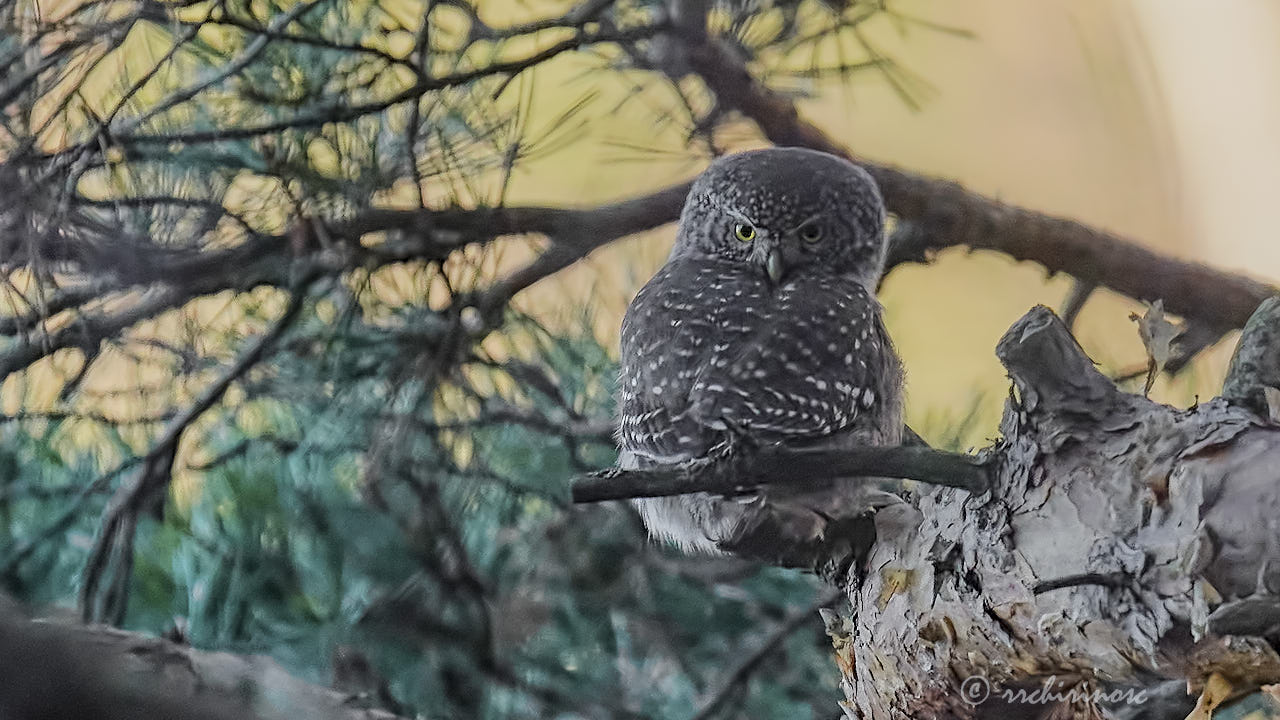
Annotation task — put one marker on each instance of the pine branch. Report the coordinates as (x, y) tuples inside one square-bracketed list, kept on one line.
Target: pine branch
[(787, 467)]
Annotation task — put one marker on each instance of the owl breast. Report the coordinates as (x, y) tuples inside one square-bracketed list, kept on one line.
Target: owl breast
[(711, 350)]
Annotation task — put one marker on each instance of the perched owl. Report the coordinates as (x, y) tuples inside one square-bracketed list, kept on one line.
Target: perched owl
[(762, 328)]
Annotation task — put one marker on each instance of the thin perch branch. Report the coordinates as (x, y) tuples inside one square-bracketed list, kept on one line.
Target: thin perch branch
[(787, 467)]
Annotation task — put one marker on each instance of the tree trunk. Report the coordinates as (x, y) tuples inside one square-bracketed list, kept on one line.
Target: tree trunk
[(1122, 542)]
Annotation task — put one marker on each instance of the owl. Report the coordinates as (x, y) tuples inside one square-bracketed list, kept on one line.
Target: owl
[(761, 330)]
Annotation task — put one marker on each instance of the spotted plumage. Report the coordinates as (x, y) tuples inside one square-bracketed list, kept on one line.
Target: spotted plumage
[(762, 328)]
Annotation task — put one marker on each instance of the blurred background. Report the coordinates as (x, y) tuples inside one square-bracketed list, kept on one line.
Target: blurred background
[(380, 503)]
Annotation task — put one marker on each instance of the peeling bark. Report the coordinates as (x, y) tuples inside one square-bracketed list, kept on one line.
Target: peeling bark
[(1122, 542)]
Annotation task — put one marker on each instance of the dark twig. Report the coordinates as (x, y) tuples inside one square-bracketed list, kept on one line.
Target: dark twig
[(752, 662), (115, 532), (1112, 580), (1081, 291), (349, 112), (19, 553)]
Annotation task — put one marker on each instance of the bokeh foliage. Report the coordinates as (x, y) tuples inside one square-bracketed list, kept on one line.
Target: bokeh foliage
[(470, 586)]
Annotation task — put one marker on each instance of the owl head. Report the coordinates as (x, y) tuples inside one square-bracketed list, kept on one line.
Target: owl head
[(786, 212)]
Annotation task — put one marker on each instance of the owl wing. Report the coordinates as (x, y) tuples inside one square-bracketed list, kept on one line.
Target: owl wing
[(820, 363), (673, 328)]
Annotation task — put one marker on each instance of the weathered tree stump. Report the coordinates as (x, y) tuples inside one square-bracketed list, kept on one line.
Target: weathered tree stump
[(1123, 542)]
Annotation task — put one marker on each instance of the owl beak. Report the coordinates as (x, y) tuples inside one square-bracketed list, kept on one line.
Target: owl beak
[(775, 266)]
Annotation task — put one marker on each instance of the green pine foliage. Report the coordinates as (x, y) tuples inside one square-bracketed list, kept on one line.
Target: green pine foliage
[(462, 573)]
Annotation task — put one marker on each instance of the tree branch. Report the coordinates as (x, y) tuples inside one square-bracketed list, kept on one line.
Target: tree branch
[(786, 467), (52, 670)]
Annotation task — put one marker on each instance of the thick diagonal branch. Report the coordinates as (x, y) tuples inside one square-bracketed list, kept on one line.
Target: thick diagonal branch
[(944, 214)]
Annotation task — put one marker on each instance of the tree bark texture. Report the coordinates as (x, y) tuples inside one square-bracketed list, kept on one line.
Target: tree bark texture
[(1122, 542), (51, 670)]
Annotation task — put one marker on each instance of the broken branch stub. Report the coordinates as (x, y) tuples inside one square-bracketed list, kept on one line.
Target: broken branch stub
[(1253, 380)]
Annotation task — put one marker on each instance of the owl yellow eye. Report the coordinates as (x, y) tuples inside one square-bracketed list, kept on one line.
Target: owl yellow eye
[(811, 233), (744, 232)]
